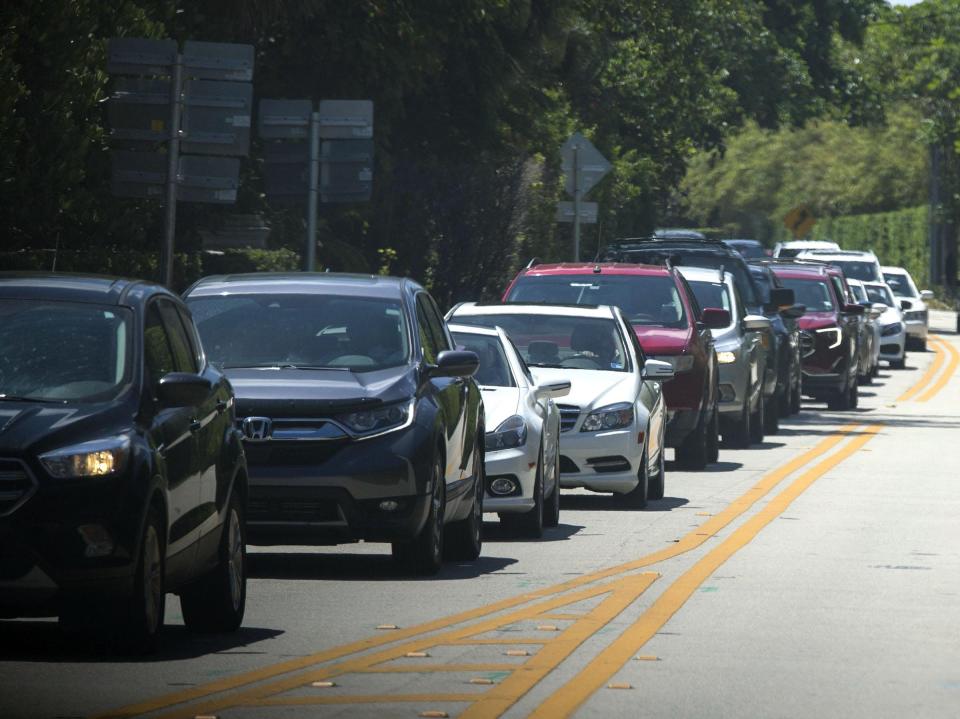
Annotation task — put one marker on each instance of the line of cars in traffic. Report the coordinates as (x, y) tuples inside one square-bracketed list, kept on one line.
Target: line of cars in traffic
[(146, 438)]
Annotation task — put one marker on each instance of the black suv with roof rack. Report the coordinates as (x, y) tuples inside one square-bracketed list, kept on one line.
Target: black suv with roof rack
[(359, 418)]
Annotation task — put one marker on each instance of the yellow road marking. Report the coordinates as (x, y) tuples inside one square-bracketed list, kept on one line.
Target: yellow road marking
[(422, 668), (302, 664), (927, 376), (609, 661), (948, 373), (504, 640)]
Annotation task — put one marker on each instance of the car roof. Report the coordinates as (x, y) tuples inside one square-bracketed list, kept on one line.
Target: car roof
[(890, 270), (525, 308), (839, 254), (799, 271), (596, 268), (340, 283), (825, 244), (69, 287), (704, 274), (472, 329)]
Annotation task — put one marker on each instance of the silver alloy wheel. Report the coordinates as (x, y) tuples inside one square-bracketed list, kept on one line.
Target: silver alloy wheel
[(235, 566), (152, 579)]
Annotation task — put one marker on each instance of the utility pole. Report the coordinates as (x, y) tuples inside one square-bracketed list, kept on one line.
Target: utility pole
[(313, 192), (576, 203), (173, 159)]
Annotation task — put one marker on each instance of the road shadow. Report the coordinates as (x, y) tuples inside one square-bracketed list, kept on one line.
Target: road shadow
[(360, 567), (720, 466), (496, 532), (46, 641), (615, 503)]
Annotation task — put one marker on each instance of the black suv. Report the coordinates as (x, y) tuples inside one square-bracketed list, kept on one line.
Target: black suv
[(359, 418), (122, 476), (691, 248)]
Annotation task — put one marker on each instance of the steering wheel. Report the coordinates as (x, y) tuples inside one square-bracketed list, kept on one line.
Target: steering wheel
[(580, 361)]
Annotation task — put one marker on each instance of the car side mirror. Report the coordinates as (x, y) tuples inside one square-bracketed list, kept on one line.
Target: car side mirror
[(455, 363), (905, 304), (794, 312), (182, 389), (853, 309), (876, 309), (658, 371), (782, 297), (715, 318), (552, 390), (926, 295), (755, 322)]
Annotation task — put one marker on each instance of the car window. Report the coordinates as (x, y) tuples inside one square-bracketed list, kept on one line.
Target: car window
[(184, 356), (691, 297), (192, 337), (880, 294), (857, 270), (494, 370), (899, 284), (815, 295), (838, 286), (428, 341), (712, 294), (158, 356), (644, 299), (437, 325), (734, 264)]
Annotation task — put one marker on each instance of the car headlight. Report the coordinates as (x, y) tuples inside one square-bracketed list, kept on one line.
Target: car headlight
[(96, 458), (378, 419), (680, 363), (512, 432), (894, 329), (614, 416), (833, 335), (726, 357)]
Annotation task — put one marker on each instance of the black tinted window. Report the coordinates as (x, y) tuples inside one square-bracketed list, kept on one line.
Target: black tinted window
[(158, 356), (183, 354)]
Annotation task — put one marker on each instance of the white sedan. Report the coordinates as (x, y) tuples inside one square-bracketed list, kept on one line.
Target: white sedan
[(522, 455), (612, 423), (913, 302)]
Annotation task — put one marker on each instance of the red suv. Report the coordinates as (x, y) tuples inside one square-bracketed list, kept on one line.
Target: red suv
[(829, 331), (670, 326)]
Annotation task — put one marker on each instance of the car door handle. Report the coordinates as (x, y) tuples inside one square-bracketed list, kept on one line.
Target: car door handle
[(195, 425)]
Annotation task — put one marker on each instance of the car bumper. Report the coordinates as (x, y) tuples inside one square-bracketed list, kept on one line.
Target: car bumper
[(733, 390), (601, 461), (892, 347), (916, 329), (328, 493), (519, 464)]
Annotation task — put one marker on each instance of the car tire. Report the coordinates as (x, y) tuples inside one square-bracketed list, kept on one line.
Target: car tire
[(757, 421), (464, 539), (636, 498), (551, 510), (736, 432), (216, 603), (900, 363), (693, 451), (530, 523), (713, 439), (771, 419), (424, 554), (138, 620), (784, 402), (656, 483), (796, 399)]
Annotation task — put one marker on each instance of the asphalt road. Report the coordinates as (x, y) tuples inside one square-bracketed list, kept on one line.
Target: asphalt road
[(815, 575)]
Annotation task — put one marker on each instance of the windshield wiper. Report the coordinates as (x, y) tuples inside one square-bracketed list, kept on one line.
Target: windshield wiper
[(22, 398), (544, 364), (285, 365)]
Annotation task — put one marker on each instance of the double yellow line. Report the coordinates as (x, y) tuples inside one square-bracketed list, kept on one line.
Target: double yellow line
[(923, 390), (265, 685)]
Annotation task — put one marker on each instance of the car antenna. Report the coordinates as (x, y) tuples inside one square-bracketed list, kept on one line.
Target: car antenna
[(721, 273), (533, 262), (667, 263)]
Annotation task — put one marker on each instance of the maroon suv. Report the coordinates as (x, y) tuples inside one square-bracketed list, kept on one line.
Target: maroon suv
[(670, 326)]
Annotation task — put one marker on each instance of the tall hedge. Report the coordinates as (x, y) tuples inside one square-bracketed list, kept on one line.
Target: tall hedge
[(898, 238)]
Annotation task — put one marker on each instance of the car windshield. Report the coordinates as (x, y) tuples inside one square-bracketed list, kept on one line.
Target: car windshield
[(856, 270), (678, 256), (558, 341), (815, 295), (747, 248), (858, 292), (879, 293), (712, 294), (494, 370), (64, 351), (645, 300), (899, 284), (302, 331)]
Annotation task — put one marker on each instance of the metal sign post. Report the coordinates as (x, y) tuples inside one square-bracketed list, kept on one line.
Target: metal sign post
[(576, 203), (313, 192), (173, 157), (584, 167)]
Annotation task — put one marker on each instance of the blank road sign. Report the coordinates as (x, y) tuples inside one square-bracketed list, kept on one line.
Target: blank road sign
[(216, 117), (138, 174), (346, 119), (346, 170), (218, 61), (588, 212), (139, 109), (140, 56), (286, 168), (208, 179), (284, 119)]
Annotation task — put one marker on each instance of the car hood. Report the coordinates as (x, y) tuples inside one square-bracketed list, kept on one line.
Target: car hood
[(590, 389), (815, 320), (39, 426), (724, 338), (302, 392), (889, 316), (498, 404), (663, 340)]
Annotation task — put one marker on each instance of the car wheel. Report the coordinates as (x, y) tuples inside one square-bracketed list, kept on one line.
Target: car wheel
[(216, 603), (796, 399), (900, 363), (637, 497), (424, 554), (530, 523), (692, 452), (139, 619), (655, 484), (783, 402), (736, 433), (464, 539), (841, 400), (551, 510), (854, 400), (713, 439), (757, 421), (771, 419)]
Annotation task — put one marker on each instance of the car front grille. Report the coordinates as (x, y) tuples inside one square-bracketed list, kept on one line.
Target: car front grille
[(17, 485), (808, 344), (569, 414)]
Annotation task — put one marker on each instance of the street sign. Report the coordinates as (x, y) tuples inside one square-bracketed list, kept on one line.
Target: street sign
[(591, 165), (138, 174), (208, 179), (286, 170), (284, 119), (346, 119), (218, 61), (216, 118), (140, 56), (800, 221), (139, 109), (588, 212), (346, 170)]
